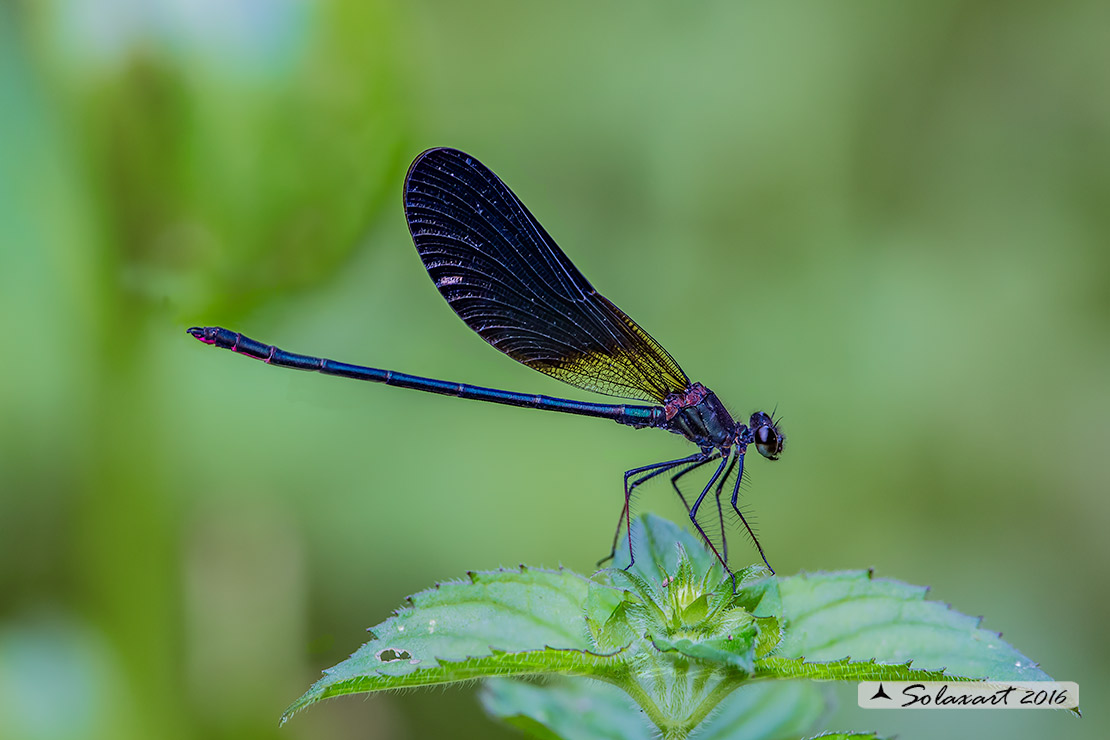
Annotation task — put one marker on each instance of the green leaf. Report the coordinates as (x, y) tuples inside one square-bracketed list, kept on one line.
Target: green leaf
[(499, 623), (576, 709), (671, 633), (761, 597), (845, 670), (607, 618), (734, 651), (779, 710), (660, 545), (566, 708), (830, 616)]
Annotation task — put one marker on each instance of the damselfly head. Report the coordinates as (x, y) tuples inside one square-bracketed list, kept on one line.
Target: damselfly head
[(766, 435)]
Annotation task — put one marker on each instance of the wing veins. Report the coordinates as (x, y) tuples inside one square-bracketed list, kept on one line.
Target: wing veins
[(460, 211)]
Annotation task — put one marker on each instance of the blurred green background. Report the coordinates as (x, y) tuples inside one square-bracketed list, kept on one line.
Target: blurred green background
[(891, 220)]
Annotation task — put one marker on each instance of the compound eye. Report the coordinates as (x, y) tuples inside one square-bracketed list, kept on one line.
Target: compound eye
[(763, 435), (768, 441)]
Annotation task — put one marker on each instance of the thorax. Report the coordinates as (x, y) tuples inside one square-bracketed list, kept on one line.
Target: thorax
[(698, 415)]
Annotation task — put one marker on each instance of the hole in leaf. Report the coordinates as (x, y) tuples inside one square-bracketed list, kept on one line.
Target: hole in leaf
[(390, 655)]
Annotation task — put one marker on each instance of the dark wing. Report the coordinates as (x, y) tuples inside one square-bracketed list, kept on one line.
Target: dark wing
[(509, 281)]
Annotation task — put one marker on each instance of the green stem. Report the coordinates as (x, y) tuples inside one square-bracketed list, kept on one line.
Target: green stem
[(632, 687), (671, 727), (715, 697)]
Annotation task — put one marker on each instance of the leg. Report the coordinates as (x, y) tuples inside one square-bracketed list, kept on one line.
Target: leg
[(694, 509), (735, 495), (651, 471), (678, 476), (675, 478), (720, 489), (721, 511)]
